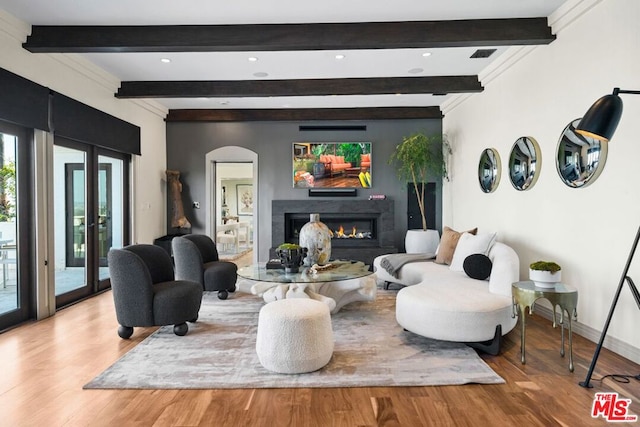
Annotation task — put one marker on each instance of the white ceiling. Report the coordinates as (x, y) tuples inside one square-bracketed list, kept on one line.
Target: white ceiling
[(281, 65)]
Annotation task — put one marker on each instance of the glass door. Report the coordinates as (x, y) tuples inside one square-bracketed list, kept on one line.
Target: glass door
[(112, 206), (14, 261), (71, 214), (91, 209)]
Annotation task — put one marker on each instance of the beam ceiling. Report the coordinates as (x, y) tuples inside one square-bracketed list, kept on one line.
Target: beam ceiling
[(302, 87), (289, 37), (294, 37), (303, 114)]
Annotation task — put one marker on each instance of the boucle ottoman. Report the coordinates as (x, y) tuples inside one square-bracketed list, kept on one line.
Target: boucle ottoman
[(294, 336)]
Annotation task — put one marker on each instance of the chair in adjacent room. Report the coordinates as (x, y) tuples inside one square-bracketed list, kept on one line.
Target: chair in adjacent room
[(196, 258), (228, 237), (146, 293)]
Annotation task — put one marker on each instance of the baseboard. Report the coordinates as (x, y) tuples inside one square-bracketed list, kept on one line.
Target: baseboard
[(617, 346)]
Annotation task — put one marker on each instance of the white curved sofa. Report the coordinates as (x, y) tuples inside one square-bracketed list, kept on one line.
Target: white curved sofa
[(448, 305)]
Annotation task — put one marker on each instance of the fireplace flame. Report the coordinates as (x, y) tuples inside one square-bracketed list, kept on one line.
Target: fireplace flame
[(355, 234)]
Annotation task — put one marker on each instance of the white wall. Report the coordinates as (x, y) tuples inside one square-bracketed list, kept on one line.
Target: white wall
[(74, 77), (589, 231)]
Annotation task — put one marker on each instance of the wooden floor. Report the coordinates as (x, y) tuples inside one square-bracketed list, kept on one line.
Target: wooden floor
[(45, 364)]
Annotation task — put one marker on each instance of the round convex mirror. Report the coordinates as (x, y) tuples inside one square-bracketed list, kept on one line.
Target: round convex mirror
[(524, 163), (489, 170), (579, 159)]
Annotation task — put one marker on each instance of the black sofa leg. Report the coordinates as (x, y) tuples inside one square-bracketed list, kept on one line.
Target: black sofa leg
[(492, 346)]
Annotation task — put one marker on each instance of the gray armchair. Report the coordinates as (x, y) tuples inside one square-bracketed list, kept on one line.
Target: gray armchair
[(145, 292), (196, 259)]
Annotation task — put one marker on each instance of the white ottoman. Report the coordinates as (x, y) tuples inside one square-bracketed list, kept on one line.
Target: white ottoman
[(294, 336)]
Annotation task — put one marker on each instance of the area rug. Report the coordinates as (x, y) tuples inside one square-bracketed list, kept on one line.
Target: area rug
[(219, 352), (232, 256)]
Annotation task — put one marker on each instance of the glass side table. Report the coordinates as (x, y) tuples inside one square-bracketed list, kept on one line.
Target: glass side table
[(526, 293)]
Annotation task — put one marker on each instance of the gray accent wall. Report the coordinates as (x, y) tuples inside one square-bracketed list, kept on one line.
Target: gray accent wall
[(189, 142)]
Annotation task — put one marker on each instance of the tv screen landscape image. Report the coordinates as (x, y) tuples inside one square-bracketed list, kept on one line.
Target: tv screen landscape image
[(331, 164)]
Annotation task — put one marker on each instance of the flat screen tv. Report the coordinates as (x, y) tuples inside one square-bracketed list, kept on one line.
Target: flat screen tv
[(331, 164)]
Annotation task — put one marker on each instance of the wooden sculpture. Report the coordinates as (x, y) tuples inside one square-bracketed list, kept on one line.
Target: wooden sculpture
[(178, 219)]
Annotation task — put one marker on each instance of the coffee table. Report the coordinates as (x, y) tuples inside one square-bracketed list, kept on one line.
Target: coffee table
[(347, 282)]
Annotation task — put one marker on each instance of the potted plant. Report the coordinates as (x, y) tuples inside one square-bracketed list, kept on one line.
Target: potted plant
[(292, 256), (415, 158), (545, 274)]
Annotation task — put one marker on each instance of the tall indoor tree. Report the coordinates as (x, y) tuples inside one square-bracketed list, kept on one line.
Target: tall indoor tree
[(417, 157)]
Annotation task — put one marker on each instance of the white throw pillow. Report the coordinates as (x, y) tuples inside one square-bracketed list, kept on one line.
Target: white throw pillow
[(469, 245)]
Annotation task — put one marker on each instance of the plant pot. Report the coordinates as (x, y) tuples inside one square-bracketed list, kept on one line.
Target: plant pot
[(545, 279), (421, 241), (291, 258)]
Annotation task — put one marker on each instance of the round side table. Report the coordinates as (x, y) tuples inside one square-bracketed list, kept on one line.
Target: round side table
[(526, 293)]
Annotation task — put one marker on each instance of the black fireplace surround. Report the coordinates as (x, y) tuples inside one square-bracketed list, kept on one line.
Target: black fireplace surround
[(372, 221)]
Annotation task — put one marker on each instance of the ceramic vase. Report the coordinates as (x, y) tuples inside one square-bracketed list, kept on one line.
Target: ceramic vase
[(545, 279), (316, 237)]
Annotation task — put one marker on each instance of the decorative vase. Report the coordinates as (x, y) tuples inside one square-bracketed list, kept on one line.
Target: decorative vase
[(292, 259), (421, 241), (545, 279), (316, 237)]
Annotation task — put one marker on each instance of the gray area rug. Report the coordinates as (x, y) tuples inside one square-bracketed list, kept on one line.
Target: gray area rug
[(371, 349)]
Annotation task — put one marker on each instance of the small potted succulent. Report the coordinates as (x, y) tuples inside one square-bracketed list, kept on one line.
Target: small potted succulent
[(292, 256), (545, 274)]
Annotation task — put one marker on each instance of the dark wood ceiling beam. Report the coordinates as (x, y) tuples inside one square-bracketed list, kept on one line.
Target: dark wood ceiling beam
[(301, 87), (290, 37), (304, 114)]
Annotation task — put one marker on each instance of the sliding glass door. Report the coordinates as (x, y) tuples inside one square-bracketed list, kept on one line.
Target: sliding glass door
[(112, 205), (15, 288), (91, 212)]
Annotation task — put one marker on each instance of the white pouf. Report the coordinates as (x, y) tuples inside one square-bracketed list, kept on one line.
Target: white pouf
[(294, 336)]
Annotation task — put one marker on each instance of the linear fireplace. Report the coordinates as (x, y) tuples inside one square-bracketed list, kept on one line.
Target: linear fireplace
[(362, 229), (346, 229)]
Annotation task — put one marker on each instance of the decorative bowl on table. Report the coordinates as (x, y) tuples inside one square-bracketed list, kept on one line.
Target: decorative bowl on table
[(545, 274), (292, 256)]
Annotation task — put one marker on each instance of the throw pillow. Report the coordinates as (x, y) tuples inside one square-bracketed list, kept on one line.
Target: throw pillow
[(448, 243), (469, 244), (477, 266)]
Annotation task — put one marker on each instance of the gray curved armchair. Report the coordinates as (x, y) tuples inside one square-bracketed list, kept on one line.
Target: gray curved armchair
[(196, 259), (145, 292)]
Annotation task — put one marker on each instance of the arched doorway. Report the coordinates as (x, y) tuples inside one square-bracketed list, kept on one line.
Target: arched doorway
[(214, 193)]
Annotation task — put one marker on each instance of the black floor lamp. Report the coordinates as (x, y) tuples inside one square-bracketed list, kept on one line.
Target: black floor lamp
[(600, 122)]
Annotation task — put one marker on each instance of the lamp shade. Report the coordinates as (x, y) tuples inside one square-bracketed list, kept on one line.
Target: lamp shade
[(601, 120)]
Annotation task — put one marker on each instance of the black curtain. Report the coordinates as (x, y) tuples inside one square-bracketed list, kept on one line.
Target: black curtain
[(28, 104), (23, 102)]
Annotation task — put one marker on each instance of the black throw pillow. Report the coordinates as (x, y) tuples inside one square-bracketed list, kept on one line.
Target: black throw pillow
[(477, 266)]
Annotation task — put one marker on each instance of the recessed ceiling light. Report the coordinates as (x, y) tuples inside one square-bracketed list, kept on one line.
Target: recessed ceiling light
[(416, 70), (426, 54), (339, 56), (260, 74), (165, 60), (252, 59)]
